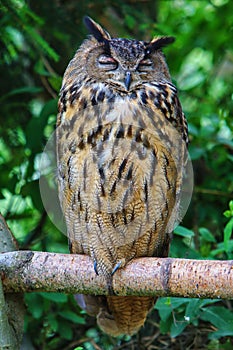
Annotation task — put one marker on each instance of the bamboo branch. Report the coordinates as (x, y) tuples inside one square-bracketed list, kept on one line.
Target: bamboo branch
[(29, 271)]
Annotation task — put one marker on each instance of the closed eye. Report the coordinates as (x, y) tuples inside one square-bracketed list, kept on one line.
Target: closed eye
[(145, 65), (107, 62)]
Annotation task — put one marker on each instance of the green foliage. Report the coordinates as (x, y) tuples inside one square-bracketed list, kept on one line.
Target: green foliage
[(228, 230), (37, 41), (221, 318), (176, 314)]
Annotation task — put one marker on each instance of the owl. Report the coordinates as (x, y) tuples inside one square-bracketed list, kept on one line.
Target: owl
[(121, 149)]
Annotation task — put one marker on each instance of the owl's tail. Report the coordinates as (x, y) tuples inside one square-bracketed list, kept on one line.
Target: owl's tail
[(117, 315)]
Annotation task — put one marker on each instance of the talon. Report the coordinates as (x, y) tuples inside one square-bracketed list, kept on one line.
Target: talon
[(116, 267), (95, 268)]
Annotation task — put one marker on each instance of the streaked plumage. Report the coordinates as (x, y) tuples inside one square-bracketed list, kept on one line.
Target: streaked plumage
[(121, 148)]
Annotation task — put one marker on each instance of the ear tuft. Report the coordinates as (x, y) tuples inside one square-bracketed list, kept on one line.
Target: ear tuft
[(159, 43), (96, 30)]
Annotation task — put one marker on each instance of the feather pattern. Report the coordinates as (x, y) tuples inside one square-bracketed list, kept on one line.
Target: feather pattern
[(121, 151)]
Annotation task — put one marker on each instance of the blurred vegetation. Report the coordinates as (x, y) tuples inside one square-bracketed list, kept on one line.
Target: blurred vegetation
[(38, 38)]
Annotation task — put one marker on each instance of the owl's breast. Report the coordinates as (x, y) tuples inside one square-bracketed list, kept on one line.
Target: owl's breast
[(119, 169)]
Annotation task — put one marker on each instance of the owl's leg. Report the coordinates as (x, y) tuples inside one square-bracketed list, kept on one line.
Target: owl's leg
[(74, 246), (102, 259)]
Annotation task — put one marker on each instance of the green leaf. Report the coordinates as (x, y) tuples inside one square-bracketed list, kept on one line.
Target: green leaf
[(229, 213), (231, 206), (177, 327), (71, 316), (165, 325), (206, 235), (22, 90), (183, 231), (49, 108), (35, 304), (65, 330), (53, 322), (32, 189), (221, 333), (193, 309), (208, 302), (56, 297), (164, 307), (177, 302), (192, 80), (221, 248), (227, 234), (37, 125), (55, 82), (130, 21), (219, 316)]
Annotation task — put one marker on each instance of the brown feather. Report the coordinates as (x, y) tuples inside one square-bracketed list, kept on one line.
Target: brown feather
[(121, 152)]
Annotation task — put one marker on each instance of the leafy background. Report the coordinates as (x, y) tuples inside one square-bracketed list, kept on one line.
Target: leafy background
[(38, 38)]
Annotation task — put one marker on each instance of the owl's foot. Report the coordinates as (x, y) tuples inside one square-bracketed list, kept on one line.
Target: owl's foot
[(106, 268), (120, 263), (95, 268), (116, 267)]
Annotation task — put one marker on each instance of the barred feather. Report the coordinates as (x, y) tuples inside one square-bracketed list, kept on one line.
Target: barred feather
[(121, 152)]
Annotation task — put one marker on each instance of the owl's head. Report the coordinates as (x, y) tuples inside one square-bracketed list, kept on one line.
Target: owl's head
[(124, 64)]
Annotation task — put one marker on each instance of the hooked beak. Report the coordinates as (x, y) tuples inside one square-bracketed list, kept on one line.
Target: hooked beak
[(127, 79)]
